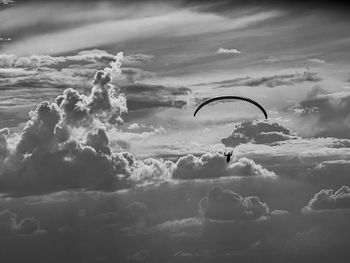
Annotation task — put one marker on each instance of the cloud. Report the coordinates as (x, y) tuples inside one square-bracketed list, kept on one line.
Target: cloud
[(7, 2), (181, 225), (268, 81), (133, 60), (64, 144), (140, 256), (28, 226), (112, 30), (49, 75), (10, 226), (228, 51), (146, 96), (4, 150), (259, 132), (227, 205), (280, 58), (213, 165), (326, 114), (153, 170), (327, 199), (316, 60), (134, 75), (5, 39), (85, 57), (8, 222)]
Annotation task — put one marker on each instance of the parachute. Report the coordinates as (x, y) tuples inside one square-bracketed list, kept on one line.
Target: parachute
[(231, 98)]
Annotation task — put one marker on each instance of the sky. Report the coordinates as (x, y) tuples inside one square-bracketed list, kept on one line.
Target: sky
[(102, 160)]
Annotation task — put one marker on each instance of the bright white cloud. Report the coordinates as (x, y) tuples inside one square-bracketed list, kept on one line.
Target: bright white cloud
[(228, 51)]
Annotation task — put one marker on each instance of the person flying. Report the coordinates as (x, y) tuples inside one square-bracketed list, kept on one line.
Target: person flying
[(228, 156)]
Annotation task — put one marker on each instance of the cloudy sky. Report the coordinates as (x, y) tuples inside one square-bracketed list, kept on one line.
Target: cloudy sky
[(101, 159)]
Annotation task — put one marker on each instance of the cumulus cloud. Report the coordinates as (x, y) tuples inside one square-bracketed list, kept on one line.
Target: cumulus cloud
[(153, 170), (228, 51), (213, 165), (259, 132), (227, 205), (28, 226), (64, 144), (328, 199), (9, 224)]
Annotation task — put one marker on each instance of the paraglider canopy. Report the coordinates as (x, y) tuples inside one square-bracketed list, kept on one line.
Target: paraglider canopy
[(230, 98)]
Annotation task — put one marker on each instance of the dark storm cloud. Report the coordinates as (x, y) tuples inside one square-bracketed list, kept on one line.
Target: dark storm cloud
[(328, 199), (259, 132), (328, 113), (227, 205)]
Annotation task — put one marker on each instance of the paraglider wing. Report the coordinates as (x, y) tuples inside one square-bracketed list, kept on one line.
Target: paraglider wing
[(231, 97)]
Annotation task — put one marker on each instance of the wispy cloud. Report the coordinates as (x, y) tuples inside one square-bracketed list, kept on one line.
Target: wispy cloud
[(172, 24)]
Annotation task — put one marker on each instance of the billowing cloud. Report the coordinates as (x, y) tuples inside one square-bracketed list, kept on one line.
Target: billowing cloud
[(213, 165), (259, 132), (328, 199), (28, 226), (9, 224), (64, 144), (153, 170), (227, 205), (228, 51)]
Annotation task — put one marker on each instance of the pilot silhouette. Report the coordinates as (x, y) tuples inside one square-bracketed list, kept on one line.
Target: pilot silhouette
[(228, 156)]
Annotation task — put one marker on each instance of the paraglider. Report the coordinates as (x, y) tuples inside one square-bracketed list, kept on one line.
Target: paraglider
[(230, 98), (228, 155)]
